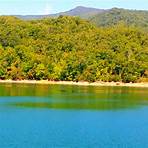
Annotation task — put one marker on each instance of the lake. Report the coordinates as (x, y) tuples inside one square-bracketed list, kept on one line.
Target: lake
[(55, 116)]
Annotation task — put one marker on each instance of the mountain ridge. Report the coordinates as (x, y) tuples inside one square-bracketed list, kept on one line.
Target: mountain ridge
[(101, 17), (81, 11)]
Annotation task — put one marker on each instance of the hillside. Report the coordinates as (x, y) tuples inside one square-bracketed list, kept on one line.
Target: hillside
[(101, 17), (115, 15), (71, 49)]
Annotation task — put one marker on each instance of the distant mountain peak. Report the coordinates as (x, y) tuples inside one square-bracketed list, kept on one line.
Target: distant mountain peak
[(80, 7), (88, 9), (83, 7), (81, 11)]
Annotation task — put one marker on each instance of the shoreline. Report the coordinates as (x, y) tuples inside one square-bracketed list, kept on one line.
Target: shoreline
[(81, 83)]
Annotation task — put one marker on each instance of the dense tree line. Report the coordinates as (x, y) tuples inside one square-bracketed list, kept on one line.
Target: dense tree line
[(71, 49), (113, 16)]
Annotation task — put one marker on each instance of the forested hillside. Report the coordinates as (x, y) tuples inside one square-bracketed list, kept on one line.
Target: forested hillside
[(71, 49), (115, 15), (102, 17)]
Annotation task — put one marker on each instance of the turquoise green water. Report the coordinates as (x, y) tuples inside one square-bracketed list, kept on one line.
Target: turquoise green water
[(40, 116)]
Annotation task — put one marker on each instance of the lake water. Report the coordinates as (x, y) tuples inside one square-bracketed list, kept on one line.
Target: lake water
[(55, 116)]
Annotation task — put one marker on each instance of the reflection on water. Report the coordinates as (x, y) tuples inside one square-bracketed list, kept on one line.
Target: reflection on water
[(56, 116), (72, 97)]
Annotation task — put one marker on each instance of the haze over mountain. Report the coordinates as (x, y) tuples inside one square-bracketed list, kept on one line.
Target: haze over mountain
[(101, 17), (83, 12)]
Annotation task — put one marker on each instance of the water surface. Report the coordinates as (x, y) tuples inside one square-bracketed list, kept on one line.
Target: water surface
[(43, 116)]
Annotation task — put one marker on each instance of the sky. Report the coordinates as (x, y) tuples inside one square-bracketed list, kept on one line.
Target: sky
[(42, 7)]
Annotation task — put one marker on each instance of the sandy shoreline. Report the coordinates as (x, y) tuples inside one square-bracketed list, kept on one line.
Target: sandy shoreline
[(76, 83)]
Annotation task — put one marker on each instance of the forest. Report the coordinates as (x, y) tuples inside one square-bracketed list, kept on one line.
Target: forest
[(72, 49), (113, 16)]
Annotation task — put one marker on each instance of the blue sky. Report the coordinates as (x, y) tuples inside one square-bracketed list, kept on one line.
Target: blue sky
[(11, 7)]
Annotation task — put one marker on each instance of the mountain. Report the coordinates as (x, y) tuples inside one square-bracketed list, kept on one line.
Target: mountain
[(116, 15), (31, 17), (101, 17), (83, 12)]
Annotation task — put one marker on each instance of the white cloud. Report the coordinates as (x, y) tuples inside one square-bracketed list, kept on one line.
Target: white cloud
[(48, 9)]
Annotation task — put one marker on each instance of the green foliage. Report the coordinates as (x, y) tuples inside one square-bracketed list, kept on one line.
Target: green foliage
[(72, 49), (114, 16)]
